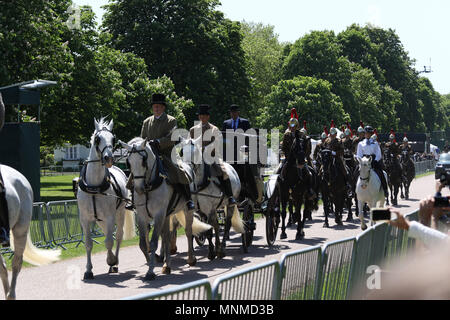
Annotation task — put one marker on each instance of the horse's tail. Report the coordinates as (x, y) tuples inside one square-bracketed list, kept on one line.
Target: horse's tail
[(198, 227), (129, 227), (236, 221), (35, 256)]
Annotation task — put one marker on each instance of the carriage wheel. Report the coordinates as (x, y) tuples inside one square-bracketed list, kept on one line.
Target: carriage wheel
[(271, 228), (249, 225), (200, 239)]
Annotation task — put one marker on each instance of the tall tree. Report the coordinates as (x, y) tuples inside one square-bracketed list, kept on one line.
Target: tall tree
[(189, 41), (313, 100)]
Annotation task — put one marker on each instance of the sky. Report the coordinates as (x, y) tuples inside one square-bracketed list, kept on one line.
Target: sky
[(422, 26)]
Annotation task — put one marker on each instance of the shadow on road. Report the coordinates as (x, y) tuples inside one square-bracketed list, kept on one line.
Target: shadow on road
[(112, 280)]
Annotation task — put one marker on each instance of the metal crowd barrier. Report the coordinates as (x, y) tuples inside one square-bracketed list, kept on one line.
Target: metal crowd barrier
[(255, 283), (335, 271), (300, 271), (424, 166), (198, 290)]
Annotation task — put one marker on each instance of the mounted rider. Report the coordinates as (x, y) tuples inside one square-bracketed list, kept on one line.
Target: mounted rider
[(158, 130), (288, 141), (4, 216), (359, 138), (406, 147), (348, 138), (335, 145), (392, 145), (319, 146), (218, 167), (370, 148)]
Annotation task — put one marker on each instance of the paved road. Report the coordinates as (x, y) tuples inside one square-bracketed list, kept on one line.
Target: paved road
[(62, 280)]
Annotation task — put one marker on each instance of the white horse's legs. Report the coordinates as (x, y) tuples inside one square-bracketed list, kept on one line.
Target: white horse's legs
[(166, 243), (143, 237), (361, 214), (120, 219), (158, 225), (189, 215), (4, 275), (111, 259), (20, 239), (88, 244)]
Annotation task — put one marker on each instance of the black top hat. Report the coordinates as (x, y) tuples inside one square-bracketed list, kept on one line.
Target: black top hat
[(203, 109), (158, 99), (368, 129), (234, 107)]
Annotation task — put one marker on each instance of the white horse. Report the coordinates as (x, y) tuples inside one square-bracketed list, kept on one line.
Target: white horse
[(368, 189), (210, 199), (19, 197), (152, 195), (103, 197)]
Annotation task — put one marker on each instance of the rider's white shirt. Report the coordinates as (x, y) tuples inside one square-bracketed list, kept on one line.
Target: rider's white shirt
[(368, 147)]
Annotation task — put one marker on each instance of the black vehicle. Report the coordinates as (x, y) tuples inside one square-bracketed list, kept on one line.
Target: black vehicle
[(443, 165)]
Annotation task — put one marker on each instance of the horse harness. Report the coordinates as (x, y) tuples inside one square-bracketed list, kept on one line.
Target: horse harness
[(206, 181), (156, 182), (102, 188)]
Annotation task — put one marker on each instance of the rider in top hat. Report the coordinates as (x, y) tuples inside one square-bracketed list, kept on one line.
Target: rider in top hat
[(334, 144), (158, 130), (4, 216), (392, 145), (406, 146), (218, 166), (370, 148)]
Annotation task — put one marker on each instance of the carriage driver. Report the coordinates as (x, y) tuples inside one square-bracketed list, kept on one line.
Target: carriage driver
[(334, 144), (370, 148), (4, 218), (218, 167), (158, 130)]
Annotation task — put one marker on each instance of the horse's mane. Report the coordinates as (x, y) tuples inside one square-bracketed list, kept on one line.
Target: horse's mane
[(137, 140), (101, 123)]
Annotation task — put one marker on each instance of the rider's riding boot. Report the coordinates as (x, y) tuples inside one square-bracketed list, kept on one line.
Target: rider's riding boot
[(226, 187), (4, 237), (380, 173), (311, 193), (283, 171)]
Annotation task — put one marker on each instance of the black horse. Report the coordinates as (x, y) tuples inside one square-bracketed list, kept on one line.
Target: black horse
[(394, 172), (408, 173), (297, 184), (333, 187)]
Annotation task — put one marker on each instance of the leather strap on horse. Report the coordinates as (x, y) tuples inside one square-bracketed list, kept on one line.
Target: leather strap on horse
[(4, 215)]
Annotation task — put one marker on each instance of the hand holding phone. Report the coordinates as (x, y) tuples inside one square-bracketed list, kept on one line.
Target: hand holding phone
[(381, 214)]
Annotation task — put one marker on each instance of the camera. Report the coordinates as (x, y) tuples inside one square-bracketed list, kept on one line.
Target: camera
[(441, 202), (381, 214), (445, 177)]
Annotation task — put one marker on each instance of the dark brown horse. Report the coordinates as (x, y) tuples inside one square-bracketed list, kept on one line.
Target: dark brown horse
[(408, 173), (394, 171), (299, 179), (332, 183)]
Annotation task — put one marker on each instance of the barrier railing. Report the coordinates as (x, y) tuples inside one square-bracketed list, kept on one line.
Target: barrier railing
[(424, 166), (335, 271), (198, 290), (300, 271), (255, 283)]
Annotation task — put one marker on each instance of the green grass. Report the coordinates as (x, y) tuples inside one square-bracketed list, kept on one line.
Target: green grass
[(57, 188), (425, 174)]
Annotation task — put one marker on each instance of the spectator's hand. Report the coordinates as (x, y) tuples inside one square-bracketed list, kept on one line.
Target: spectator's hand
[(401, 222), (439, 186), (426, 211)]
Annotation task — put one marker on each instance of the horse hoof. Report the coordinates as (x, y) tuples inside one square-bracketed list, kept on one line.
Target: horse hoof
[(193, 262), (113, 270), (338, 222), (88, 276), (173, 251), (220, 255), (326, 225), (289, 224), (364, 228), (349, 219), (150, 276), (299, 236), (165, 270), (283, 236), (211, 256)]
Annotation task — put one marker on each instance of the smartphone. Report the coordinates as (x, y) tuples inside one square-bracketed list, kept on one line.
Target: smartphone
[(441, 202), (381, 214)]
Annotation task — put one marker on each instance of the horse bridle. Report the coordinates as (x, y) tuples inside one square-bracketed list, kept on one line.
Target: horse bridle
[(97, 143), (144, 155)]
